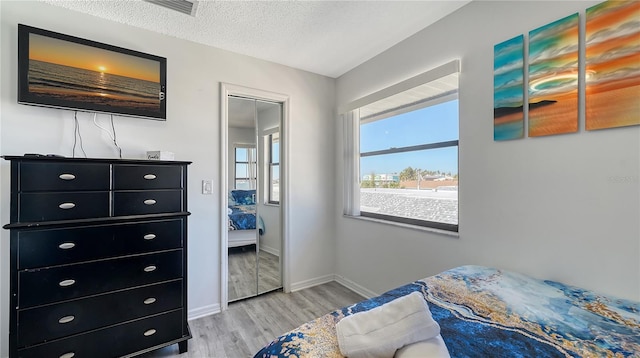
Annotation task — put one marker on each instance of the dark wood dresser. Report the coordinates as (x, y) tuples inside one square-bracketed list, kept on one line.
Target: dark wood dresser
[(98, 257)]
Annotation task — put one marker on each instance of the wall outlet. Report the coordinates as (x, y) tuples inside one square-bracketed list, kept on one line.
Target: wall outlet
[(207, 187)]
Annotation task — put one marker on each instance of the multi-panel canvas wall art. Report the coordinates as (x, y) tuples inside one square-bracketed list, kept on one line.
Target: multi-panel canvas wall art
[(508, 89), (609, 67), (612, 70), (553, 77)]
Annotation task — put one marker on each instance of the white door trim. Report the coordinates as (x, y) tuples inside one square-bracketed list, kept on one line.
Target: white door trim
[(226, 90)]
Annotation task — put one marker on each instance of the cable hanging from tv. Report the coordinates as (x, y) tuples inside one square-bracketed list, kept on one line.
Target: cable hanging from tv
[(76, 135), (112, 136)]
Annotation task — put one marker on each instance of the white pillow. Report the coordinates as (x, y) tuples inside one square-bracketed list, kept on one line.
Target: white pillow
[(379, 332), (431, 348)]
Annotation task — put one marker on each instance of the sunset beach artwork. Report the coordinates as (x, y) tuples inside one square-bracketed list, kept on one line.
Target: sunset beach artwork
[(553, 78), (77, 73), (508, 89), (612, 70)]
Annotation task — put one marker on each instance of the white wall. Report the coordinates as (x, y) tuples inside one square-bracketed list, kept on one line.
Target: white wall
[(561, 207), (191, 132)]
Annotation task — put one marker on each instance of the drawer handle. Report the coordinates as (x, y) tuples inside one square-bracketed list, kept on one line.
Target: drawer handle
[(149, 236), (149, 202), (67, 245), (67, 206), (150, 332), (149, 301), (66, 283), (67, 176), (66, 319), (149, 176), (150, 268), (68, 355)]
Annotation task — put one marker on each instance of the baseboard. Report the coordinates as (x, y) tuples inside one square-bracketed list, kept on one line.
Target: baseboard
[(270, 250), (203, 311), (362, 291), (297, 286), (366, 293)]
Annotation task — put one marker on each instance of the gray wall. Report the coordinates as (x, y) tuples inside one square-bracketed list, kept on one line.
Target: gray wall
[(191, 131), (562, 207)]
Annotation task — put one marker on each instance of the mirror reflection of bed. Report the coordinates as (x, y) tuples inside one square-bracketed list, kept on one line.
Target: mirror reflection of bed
[(254, 237)]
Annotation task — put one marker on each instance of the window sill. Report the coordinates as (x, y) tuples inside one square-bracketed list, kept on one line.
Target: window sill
[(406, 226)]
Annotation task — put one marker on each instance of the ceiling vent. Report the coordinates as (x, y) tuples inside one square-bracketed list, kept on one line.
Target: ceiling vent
[(184, 6)]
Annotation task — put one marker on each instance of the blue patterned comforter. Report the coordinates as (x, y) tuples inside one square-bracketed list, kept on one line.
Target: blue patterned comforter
[(243, 217), (485, 312)]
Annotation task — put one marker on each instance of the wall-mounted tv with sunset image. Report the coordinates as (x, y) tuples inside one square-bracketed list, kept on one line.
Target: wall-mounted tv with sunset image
[(63, 71)]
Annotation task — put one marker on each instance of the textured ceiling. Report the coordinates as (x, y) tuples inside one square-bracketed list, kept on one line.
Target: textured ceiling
[(324, 37)]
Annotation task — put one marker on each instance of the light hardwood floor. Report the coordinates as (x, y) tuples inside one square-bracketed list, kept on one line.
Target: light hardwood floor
[(243, 281), (248, 325)]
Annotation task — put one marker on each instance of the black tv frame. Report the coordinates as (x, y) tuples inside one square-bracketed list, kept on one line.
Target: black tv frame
[(25, 96)]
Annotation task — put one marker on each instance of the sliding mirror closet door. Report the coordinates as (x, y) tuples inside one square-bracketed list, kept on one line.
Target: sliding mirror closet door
[(269, 119), (242, 211), (255, 218)]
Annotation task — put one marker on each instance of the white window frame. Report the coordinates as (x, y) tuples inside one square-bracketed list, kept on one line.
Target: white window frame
[(269, 164), (251, 165), (351, 120)]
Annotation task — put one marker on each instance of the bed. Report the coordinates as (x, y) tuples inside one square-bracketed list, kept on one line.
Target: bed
[(243, 219), (487, 312)]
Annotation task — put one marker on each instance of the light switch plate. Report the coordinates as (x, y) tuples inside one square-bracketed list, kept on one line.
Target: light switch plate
[(207, 187)]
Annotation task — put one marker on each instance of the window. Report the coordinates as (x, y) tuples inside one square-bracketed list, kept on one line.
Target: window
[(245, 167), (403, 151), (273, 150)]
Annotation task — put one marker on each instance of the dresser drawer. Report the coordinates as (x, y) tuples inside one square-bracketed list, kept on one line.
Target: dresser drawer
[(50, 322), (142, 177), (39, 176), (72, 281), (147, 202), (41, 248), (114, 341), (62, 206)]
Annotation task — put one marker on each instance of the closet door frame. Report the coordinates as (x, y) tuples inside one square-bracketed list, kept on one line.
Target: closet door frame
[(226, 90)]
